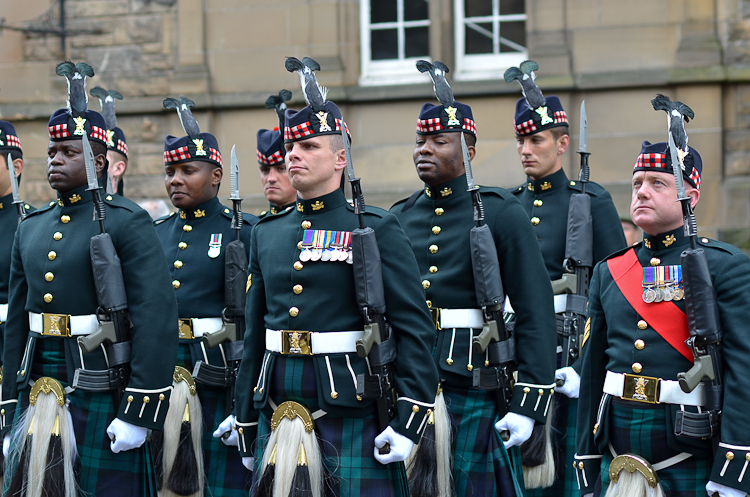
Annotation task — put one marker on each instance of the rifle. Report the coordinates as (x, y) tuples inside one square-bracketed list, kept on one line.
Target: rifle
[(376, 343), (495, 338), (112, 313), (579, 257), (20, 208)]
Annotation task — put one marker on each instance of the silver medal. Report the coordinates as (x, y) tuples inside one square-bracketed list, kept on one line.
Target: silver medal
[(649, 295), (305, 255), (326, 256), (659, 295), (316, 255), (350, 258), (668, 294)]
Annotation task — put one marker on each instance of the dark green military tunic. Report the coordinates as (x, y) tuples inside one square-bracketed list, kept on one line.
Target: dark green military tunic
[(622, 341), (287, 294), (274, 209), (438, 224), (51, 273), (194, 243)]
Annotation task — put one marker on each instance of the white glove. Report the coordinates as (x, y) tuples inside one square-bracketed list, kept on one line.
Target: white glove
[(400, 446), (572, 386), (248, 462), (518, 425), (722, 490), (227, 433), (125, 436), (6, 445)]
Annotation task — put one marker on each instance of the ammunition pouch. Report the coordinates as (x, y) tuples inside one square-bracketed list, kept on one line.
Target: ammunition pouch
[(114, 378), (702, 425), (491, 378), (214, 376), (502, 352)]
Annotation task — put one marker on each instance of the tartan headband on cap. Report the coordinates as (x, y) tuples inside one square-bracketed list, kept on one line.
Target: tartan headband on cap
[(116, 141), (534, 112), (270, 147), (8, 138), (75, 120), (656, 157), (449, 115), (196, 146)]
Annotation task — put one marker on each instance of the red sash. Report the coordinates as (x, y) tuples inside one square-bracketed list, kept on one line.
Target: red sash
[(664, 317)]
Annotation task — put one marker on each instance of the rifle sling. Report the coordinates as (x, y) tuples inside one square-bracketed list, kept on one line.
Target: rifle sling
[(119, 353), (502, 352), (410, 202), (382, 353), (233, 350)]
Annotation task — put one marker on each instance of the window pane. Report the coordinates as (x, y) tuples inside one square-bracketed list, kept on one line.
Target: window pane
[(382, 11), (479, 37), (476, 8), (384, 44), (512, 33), (417, 42), (414, 10), (508, 7)]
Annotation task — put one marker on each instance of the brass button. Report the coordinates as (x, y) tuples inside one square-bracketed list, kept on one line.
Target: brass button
[(297, 289), (704, 240), (538, 203), (433, 269), (439, 211), (449, 361), (540, 391), (469, 367), (182, 245), (637, 368), (655, 261), (49, 276), (640, 344), (240, 430), (176, 284), (433, 249), (334, 395), (130, 399), (146, 399), (298, 265), (429, 304), (425, 284), (642, 325), (436, 230), (57, 235), (730, 455), (108, 197), (187, 228), (414, 408), (65, 219), (535, 221), (572, 183), (293, 312), (226, 211), (51, 256), (299, 245), (177, 264), (48, 297), (306, 224), (580, 465), (161, 396), (526, 390)]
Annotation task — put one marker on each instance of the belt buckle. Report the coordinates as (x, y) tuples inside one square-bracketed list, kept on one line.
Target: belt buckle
[(295, 342), (641, 389), (186, 328), (56, 325), (435, 313)]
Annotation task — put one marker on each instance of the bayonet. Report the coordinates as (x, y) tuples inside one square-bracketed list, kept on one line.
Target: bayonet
[(96, 192), (690, 226), (357, 197), (583, 130), (476, 198), (14, 186), (235, 193)]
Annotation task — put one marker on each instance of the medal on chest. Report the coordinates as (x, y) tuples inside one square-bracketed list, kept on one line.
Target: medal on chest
[(214, 246), (662, 284), (325, 246)]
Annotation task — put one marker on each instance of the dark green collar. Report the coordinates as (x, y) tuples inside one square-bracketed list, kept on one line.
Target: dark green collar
[(206, 209), (6, 202), (664, 241), (319, 205), (549, 183), (273, 209), (78, 196), (446, 190)]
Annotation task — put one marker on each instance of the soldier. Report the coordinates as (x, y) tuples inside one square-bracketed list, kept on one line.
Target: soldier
[(633, 413), (273, 175), (54, 302), (117, 148), (541, 144), (194, 241), (301, 384), (438, 220)]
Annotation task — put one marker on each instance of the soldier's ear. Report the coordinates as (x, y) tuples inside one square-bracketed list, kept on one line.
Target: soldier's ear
[(693, 193), (216, 175), (18, 166), (100, 161), (562, 144), (340, 159)]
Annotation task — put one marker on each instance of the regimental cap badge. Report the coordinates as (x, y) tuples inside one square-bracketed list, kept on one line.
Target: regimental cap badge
[(199, 146), (449, 115), (534, 112)]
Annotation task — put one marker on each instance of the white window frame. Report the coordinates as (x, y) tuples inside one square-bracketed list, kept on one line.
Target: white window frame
[(391, 71), (484, 66)]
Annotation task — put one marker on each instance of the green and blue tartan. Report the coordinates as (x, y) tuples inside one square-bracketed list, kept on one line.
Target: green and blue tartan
[(482, 467), (99, 471), (638, 429), (347, 443)]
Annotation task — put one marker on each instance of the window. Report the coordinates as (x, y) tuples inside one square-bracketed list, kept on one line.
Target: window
[(394, 35), (490, 37)]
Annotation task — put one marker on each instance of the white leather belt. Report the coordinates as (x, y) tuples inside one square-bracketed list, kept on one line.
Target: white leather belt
[(651, 390), (460, 318), (296, 342), (197, 327), (3, 313), (561, 301), (76, 325)]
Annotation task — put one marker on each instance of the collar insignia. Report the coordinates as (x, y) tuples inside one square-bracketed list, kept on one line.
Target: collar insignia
[(75, 198), (80, 121), (445, 192), (323, 116), (60, 202), (543, 113), (1, 205), (647, 242), (199, 213), (546, 185), (273, 210), (427, 192), (110, 138), (668, 240), (199, 147), (317, 205), (452, 120), (183, 215), (531, 187), (300, 207)]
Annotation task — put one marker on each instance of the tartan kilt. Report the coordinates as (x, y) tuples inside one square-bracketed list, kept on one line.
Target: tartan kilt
[(347, 444), (642, 430), (482, 467), (225, 474), (98, 470)]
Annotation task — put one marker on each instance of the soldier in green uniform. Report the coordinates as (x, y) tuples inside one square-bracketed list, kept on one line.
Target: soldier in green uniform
[(634, 348), (303, 323), (194, 241), (53, 301), (270, 153), (437, 220), (541, 145)]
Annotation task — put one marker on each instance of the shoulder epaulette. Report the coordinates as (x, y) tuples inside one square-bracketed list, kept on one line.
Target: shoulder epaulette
[(593, 189), (622, 251), (121, 202), (278, 215), (518, 189), (163, 218), (41, 209), (715, 244), (494, 190), (370, 210)]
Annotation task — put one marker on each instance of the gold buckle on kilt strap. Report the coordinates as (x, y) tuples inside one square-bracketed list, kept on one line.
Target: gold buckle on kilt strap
[(56, 325), (296, 342), (186, 328), (641, 389)]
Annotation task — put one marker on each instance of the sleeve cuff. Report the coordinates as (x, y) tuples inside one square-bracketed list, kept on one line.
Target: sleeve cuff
[(246, 434), (411, 417), (732, 466), (146, 408), (587, 471), (532, 400)]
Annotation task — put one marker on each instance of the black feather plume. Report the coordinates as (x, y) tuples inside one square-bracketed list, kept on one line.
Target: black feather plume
[(75, 75), (437, 72), (107, 102), (278, 102), (315, 95), (677, 115), (525, 77), (183, 106)]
